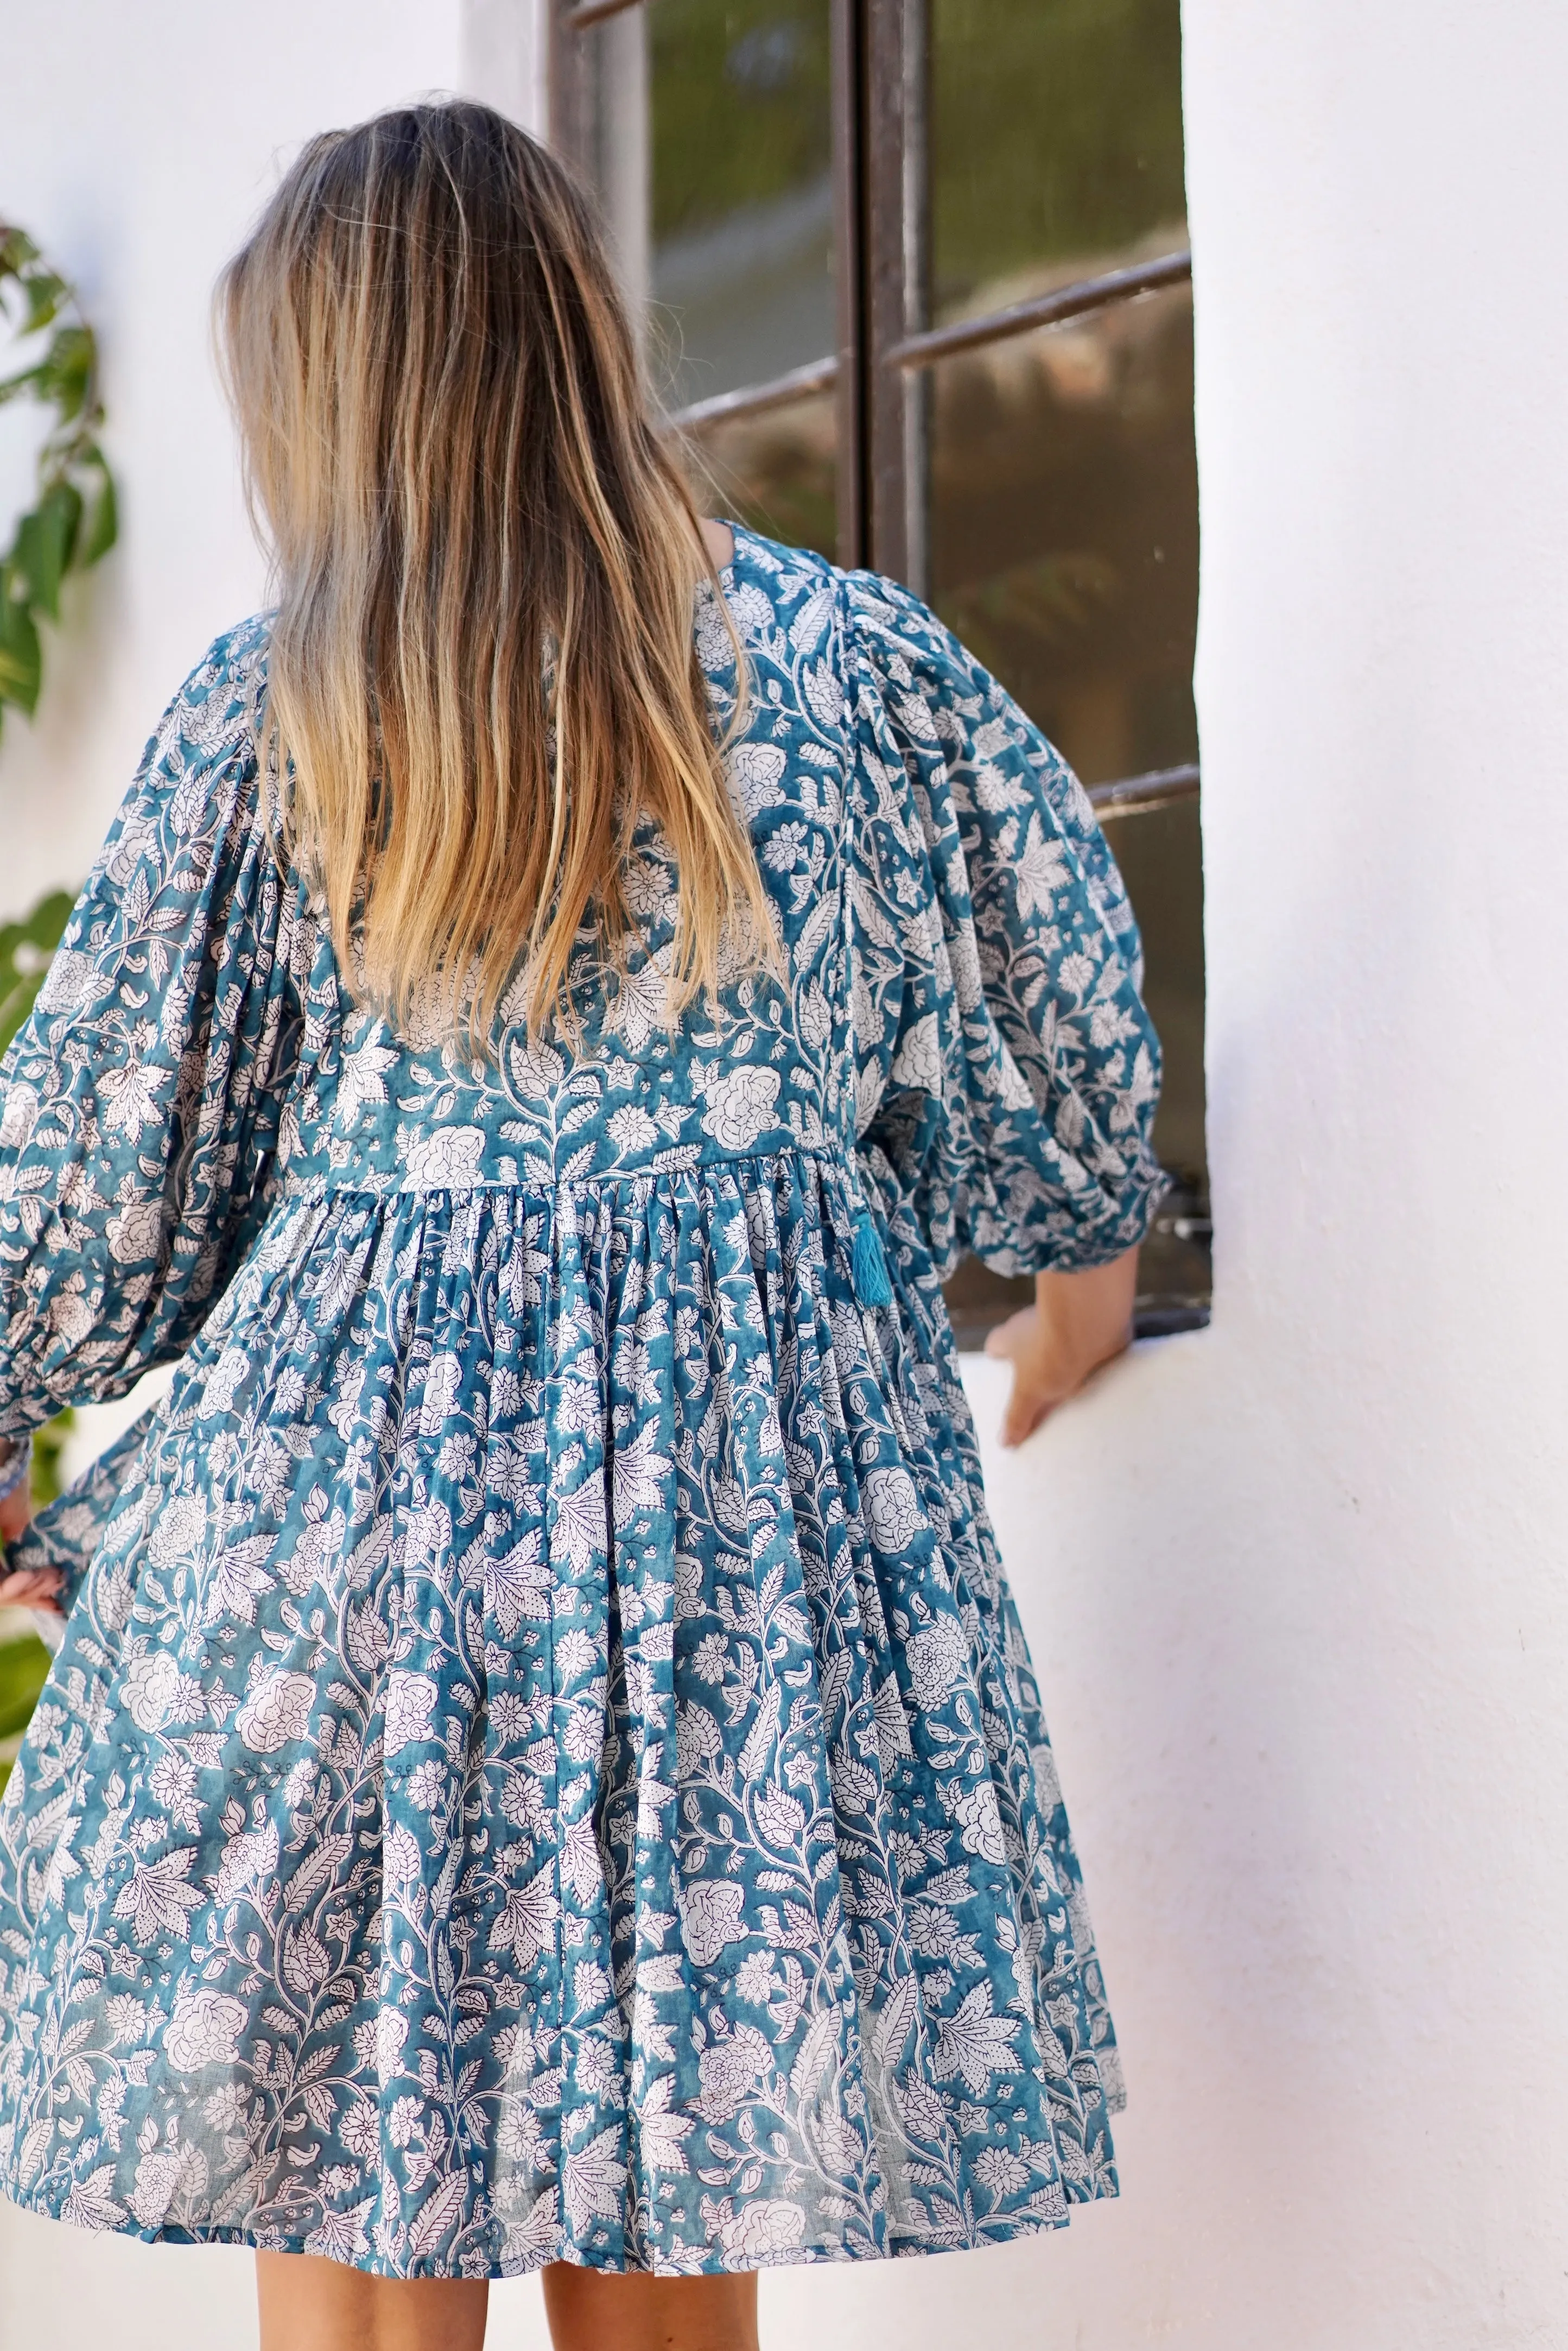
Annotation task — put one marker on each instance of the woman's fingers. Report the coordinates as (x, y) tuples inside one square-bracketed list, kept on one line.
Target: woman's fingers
[(1032, 1397), (1078, 1322), (31, 1587)]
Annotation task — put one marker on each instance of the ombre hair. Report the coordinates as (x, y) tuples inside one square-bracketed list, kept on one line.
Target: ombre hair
[(482, 672)]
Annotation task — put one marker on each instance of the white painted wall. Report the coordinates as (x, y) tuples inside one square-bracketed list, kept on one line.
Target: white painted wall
[(1295, 1585)]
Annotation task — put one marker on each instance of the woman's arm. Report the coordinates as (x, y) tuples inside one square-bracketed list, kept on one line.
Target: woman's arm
[(1078, 1322), (1008, 1071), (140, 1103)]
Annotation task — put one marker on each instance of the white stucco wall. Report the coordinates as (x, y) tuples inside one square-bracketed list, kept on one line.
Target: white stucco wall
[(1295, 1584)]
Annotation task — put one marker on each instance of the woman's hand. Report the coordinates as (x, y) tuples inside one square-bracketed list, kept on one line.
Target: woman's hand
[(36, 1587), (1078, 1322)]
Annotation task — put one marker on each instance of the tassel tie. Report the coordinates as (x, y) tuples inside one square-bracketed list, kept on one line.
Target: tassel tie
[(867, 1264)]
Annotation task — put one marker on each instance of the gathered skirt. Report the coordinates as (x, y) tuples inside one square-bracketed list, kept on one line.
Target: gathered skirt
[(544, 1765)]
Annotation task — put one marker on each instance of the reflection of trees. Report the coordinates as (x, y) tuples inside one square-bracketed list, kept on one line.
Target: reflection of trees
[(1055, 124), (740, 106), (1055, 129), (1044, 599), (1064, 526)]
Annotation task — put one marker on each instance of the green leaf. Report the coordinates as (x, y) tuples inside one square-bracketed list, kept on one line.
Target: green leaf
[(17, 249), (64, 371), (24, 1669), (45, 542), (75, 521), (12, 387), (26, 948), (102, 527), (21, 658), (45, 294), (45, 926), (27, 944), (17, 1000)]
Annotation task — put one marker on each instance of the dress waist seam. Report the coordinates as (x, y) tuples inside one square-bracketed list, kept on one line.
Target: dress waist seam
[(304, 1190)]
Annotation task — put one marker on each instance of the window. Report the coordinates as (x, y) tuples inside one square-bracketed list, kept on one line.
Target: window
[(914, 282)]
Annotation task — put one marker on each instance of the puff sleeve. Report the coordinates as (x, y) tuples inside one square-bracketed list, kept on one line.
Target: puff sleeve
[(1007, 1070), (140, 1103)]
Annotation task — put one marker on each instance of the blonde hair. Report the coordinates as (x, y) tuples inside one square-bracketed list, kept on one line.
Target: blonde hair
[(482, 672)]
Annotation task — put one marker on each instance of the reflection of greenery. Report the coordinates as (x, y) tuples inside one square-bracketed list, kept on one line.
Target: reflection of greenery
[(740, 105), (25, 951), (1055, 124), (1055, 131), (1064, 532), (1046, 600)]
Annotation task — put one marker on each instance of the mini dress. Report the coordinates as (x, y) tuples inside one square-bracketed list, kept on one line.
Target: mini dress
[(543, 1764)]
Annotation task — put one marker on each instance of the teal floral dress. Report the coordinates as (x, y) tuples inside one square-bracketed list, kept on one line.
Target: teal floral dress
[(543, 1764)]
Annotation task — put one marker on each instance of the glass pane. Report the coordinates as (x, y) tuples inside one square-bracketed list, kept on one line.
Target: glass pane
[(1063, 509), (736, 250), (1063, 536), (1055, 142), (711, 139), (1160, 853), (776, 472), (1064, 528)]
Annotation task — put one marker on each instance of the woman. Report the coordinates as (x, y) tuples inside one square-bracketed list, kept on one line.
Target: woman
[(543, 1770)]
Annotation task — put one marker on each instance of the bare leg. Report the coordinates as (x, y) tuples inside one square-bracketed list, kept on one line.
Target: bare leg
[(593, 2310), (309, 2304)]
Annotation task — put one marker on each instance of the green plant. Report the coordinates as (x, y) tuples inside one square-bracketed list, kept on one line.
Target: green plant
[(24, 1666), (25, 951), (24, 1660), (73, 521), (49, 1480)]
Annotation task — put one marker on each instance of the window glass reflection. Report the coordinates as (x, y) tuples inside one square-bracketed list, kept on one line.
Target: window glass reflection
[(1055, 141), (1063, 528), (1062, 516), (740, 235), (776, 472)]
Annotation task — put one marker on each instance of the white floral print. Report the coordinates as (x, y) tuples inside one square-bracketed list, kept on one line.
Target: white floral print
[(740, 1106), (410, 1703), (543, 1762), (203, 2029), (448, 1158), (277, 1712)]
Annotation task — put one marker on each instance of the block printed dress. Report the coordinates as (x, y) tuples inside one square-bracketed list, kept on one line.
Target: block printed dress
[(543, 1764)]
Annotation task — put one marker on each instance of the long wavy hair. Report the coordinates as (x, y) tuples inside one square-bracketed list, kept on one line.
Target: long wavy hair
[(482, 672)]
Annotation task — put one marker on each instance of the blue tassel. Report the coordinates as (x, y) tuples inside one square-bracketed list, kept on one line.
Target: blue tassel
[(868, 1264)]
